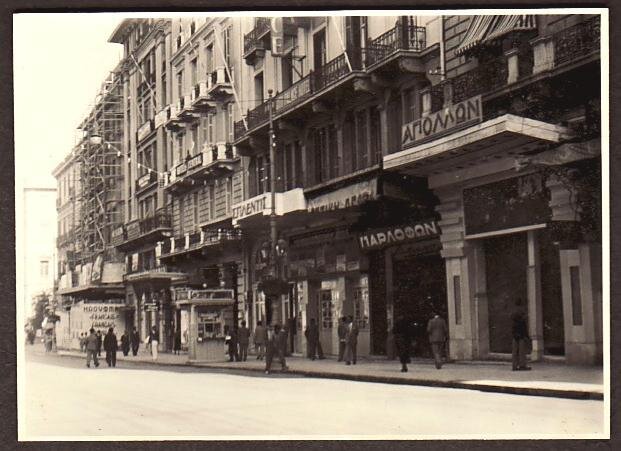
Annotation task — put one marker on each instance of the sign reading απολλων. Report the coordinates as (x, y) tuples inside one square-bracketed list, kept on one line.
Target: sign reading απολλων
[(469, 111)]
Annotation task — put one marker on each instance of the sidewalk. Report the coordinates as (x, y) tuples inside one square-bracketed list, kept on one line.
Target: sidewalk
[(545, 379)]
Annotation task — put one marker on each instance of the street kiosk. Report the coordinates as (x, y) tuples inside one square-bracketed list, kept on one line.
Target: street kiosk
[(211, 310)]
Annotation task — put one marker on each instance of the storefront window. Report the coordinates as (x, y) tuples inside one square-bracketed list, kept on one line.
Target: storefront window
[(327, 316), (361, 307)]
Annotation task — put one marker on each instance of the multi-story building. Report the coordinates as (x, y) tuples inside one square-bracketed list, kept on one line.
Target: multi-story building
[(90, 208), (394, 143)]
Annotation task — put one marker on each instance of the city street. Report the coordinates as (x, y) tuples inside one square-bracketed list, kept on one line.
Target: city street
[(64, 398)]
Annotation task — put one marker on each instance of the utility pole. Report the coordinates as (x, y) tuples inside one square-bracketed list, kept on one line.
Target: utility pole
[(273, 232)]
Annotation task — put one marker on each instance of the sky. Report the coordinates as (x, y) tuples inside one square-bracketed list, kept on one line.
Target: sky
[(60, 61)]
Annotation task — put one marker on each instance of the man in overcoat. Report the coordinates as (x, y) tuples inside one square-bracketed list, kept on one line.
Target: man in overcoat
[(437, 331)]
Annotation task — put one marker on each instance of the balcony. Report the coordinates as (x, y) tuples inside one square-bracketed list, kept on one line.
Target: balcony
[(173, 121), (577, 42), (162, 272), (312, 87), (146, 230), (213, 161), (201, 241), (257, 41), (64, 239), (186, 111), (394, 44), (145, 130), (146, 181), (221, 89), (200, 98)]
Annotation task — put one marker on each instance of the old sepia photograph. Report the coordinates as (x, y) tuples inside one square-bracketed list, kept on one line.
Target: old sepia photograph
[(307, 225)]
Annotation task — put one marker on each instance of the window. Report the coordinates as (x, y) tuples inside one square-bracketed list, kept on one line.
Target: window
[(211, 129), (194, 71), (376, 136), (230, 122), (576, 299), (181, 216), (194, 145), (179, 154), (179, 83), (287, 70), (226, 43), (361, 307), (195, 209), (44, 268), (229, 194), (258, 89), (192, 28), (212, 201), (209, 58), (163, 91), (457, 298), (327, 316), (360, 157)]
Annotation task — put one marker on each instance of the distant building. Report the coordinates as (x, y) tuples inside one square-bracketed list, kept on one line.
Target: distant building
[(39, 247)]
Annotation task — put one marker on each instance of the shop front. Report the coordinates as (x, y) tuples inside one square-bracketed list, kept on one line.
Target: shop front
[(513, 236), (408, 279)]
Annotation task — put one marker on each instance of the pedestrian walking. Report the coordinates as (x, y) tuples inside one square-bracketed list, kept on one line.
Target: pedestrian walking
[(521, 340), (125, 343), (260, 340), (403, 333), (437, 331), (177, 341), (312, 340), (99, 342), (154, 339), (82, 341), (342, 334), (110, 346), (134, 339), (243, 338), (92, 342), (276, 342), (231, 340), (351, 342)]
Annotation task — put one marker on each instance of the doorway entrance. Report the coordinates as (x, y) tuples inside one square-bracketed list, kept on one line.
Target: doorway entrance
[(419, 283)]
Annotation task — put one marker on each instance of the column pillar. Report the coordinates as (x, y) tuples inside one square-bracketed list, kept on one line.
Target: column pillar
[(533, 289)]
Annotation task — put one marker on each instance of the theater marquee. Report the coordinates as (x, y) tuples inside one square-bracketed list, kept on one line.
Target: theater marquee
[(390, 236), (442, 122)]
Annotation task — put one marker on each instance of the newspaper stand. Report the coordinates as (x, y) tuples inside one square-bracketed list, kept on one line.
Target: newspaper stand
[(210, 311)]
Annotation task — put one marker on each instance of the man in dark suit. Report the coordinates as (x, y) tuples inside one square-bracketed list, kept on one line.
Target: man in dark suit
[(342, 334), (312, 339), (437, 331), (351, 342), (110, 346), (404, 333), (134, 338)]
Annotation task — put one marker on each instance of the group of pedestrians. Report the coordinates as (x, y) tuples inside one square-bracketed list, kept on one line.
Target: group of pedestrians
[(403, 331), (93, 343), (269, 344)]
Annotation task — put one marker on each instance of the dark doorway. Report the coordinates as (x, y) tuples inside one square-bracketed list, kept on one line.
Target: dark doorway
[(419, 283), (506, 261), (319, 49), (551, 296)]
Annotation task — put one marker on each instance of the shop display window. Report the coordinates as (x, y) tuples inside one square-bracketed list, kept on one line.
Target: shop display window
[(361, 307), (327, 316)]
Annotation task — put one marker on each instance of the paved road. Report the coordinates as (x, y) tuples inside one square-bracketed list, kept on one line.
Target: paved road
[(64, 398)]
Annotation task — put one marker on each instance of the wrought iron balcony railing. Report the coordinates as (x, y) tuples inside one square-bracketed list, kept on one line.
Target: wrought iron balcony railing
[(252, 40), (577, 41), (398, 38)]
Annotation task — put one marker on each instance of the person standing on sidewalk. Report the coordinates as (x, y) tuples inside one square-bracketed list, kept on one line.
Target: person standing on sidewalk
[(154, 339), (351, 342), (342, 334), (276, 342), (134, 338), (519, 329), (312, 339), (111, 346), (403, 333), (99, 341), (91, 349), (260, 340), (125, 343), (437, 331), (177, 341), (243, 337)]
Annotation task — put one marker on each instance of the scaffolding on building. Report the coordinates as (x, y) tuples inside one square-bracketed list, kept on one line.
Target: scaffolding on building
[(100, 157)]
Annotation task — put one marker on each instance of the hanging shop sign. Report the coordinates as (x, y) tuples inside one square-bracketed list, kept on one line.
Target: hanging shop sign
[(253, 206), (507, 204), (349, 196), (390, 236), (442, 122), (195, 161)]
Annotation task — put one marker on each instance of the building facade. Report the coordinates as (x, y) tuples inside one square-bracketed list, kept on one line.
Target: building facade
[(394, 141)]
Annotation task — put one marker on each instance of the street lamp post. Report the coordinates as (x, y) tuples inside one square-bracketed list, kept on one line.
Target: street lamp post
[(272, 154)]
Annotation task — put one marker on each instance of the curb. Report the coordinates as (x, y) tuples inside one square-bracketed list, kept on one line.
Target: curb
[(509, 390)]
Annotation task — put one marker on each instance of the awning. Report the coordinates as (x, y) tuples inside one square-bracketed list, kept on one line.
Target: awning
[(484, 29)]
